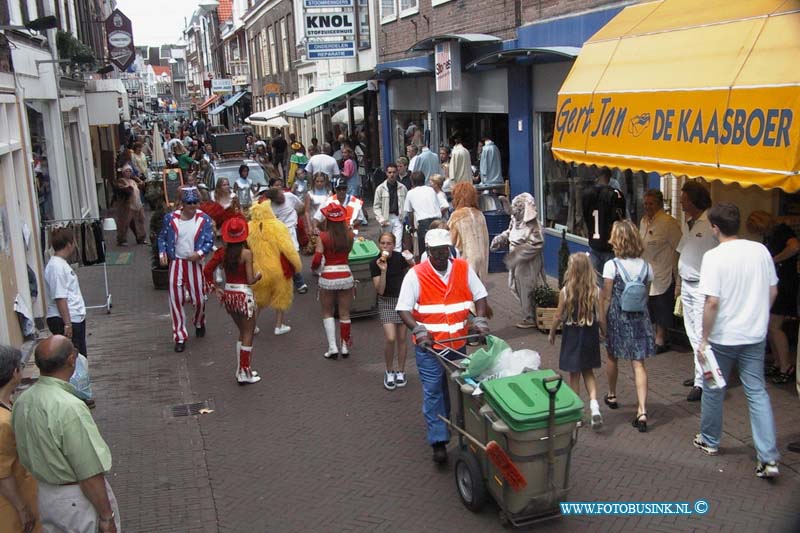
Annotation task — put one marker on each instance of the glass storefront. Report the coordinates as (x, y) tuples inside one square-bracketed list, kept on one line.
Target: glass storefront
[(409, 127), (563, 185), (472, 127)]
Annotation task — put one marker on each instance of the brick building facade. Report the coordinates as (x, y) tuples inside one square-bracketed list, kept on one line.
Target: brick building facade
[(269, 30)]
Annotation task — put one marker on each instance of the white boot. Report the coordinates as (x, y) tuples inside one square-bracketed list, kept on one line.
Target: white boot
[(330, 333), (238, 349), (245, 375)]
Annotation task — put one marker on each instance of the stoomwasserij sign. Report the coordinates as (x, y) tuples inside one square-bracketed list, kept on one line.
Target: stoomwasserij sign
[(119, 36)]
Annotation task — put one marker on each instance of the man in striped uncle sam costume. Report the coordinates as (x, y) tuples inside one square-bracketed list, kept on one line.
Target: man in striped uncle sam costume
[(435, 302), (186, 238)]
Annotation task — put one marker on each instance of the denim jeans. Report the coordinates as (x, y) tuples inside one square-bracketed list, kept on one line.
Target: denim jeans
[(435, 399), (297, 279), (750, 360), (354, 185)]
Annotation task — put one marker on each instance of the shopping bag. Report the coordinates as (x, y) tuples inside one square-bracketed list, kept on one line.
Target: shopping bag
[(484, 357), (80, 378)]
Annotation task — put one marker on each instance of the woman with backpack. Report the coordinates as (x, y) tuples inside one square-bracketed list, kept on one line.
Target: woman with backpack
[(624, 319)]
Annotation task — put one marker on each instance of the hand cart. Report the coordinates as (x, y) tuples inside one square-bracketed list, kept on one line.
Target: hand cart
[(539, 443)]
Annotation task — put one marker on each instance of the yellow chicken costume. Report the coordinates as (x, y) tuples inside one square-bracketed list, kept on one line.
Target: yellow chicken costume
[(268, 240)]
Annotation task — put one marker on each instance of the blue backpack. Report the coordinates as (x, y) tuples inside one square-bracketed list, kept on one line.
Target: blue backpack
[(634, 294)]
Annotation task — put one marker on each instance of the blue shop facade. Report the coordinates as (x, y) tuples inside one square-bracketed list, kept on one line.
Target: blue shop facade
[(508, 91)]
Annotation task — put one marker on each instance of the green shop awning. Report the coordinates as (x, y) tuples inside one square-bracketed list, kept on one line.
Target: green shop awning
[(313, 105)]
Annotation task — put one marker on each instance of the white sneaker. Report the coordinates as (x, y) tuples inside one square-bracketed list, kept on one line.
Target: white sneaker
[(767, 470), (400, 379), (282, 329), (388, 380), (256, 331), (245, 378), (597, 420)]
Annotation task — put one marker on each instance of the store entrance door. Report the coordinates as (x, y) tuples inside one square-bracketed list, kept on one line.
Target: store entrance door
[(472, 127)]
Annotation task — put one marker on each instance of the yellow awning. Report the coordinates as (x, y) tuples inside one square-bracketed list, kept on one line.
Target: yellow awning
[(705, 89)]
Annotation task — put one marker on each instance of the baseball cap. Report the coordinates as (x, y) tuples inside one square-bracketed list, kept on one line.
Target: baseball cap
[(340, 183), (437, 237)]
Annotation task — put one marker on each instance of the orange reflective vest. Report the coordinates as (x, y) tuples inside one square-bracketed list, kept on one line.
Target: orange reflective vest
[(444, 309)]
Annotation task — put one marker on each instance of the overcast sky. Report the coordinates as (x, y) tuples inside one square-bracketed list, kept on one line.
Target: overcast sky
[(157, 22)]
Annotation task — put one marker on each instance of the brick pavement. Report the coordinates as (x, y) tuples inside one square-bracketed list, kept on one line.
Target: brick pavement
[(320, 445)]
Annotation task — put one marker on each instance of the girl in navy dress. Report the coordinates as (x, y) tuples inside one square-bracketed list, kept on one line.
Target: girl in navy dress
[(578, 305)]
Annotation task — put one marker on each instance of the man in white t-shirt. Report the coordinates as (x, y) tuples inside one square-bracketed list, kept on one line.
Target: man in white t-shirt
[(66, 311), (739, 283), (325, 164), (422, 205), (286, 207)]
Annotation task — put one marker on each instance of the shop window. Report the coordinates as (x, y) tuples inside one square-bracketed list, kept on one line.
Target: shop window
[(285, 43), (409, 7), (273, 52), (563, 186), (388, 10), (265, 55), (409, 127), (435, 3), (364, 37)]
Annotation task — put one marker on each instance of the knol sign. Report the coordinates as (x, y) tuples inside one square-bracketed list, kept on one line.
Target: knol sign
[(330, 25)]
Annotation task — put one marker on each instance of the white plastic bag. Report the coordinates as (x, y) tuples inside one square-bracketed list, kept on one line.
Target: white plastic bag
[(712, 374), (80, 378), (512, 363)]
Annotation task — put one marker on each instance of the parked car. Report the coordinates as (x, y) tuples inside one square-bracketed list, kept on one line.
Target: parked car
[(229, 168)]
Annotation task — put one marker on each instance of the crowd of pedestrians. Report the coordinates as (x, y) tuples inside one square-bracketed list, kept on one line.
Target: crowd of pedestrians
[(430, 279)]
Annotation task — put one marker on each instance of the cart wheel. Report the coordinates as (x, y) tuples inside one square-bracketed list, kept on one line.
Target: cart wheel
[(469, 482)]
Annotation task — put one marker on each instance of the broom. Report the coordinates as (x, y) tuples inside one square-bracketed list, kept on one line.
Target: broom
[(497, 456)]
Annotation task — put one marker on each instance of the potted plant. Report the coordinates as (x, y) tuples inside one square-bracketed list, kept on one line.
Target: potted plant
[(160, 273), (546, 299)]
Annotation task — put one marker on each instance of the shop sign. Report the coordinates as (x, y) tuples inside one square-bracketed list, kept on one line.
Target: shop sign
[(326, 3), (331, 50), (448, 66), (272, 89), (686, 132), (119, 38), (239, 80), (221, 86), (330, 25)]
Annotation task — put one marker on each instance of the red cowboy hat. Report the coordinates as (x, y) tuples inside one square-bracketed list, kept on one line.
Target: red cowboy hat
[(234, 230), (334, 212)]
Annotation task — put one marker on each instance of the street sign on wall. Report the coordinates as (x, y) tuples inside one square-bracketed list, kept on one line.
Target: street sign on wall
[(221, 86), (331, 50), (330, 25), (119, 37), (327, 3)]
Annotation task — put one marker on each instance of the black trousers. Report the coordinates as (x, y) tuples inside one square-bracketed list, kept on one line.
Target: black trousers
[(56, 327), (422, 228)]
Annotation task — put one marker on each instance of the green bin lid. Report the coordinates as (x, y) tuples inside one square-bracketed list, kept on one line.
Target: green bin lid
[(523, 403), (363, 252)]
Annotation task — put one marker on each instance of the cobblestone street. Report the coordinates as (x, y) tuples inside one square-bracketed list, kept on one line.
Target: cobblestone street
[(320, 445)]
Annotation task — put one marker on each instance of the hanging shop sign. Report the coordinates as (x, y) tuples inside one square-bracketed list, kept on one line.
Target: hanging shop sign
[(331, 50), (119, 38), (222, 86), (448, 66), (330, 25)]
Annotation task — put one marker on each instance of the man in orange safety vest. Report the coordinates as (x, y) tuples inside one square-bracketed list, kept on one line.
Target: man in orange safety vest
[(435, 301)]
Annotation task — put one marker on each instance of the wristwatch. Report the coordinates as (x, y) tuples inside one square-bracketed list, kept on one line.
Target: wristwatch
[(108, 519)]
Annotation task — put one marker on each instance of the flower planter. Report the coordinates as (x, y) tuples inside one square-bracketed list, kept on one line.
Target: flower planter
[(544, 318), (160, 278)]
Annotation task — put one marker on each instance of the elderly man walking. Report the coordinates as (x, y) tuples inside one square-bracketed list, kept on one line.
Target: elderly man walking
[(739, 283), (60, 445), (697, 239)]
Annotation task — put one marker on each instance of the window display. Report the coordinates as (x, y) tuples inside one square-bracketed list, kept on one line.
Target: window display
[(563, 185)]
